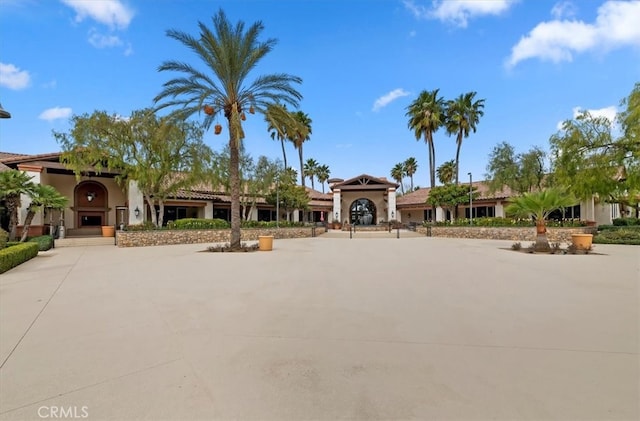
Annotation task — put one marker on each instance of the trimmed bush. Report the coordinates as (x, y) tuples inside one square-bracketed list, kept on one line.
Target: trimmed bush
[(13, 256), (618, 236), (621, 222), (618, 227), (4, 237), (45, 242), (195, 223), (271, 224)]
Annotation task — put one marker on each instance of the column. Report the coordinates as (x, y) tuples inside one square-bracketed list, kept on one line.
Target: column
[(136, 201), (208, 210), (392, 212), (499, 210), (337, 211)]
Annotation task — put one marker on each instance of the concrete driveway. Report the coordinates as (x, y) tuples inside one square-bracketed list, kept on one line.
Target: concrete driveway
[(324, 329)]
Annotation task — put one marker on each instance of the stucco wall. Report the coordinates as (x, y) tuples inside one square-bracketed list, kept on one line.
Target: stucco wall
[(561, 235), (377, 197), (167, 237), (66, 184)]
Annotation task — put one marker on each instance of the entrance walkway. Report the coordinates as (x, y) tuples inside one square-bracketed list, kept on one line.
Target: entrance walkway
[(371, 234), (324, 329)]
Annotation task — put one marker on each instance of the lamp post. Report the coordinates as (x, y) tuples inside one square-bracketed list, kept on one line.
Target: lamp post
[(277, 201), (470, 199)]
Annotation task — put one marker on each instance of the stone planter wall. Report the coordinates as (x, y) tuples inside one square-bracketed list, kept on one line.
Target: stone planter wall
[(560, 235), (168, 237)]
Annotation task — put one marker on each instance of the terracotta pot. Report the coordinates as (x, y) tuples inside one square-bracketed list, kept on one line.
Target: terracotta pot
[(582, 241), (108, 231), (217, 129), (265, 242)]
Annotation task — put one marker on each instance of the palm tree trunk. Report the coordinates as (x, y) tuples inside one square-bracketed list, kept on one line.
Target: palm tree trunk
[(411, 177), (312, 186), (234, 176), (302, 176), (542, 242), (459, 142), (284, 153), (27, 224), (432, 169), (12, 208)]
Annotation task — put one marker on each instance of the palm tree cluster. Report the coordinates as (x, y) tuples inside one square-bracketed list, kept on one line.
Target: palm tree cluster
[(313, 169), (404, 169), (430, 112), (14, 184)]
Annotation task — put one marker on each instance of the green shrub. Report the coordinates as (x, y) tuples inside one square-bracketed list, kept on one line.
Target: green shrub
[(196, 223), (271, 224), (11, 257), (618, 227), (4, 237), (621, 222), (618, 236), (45, 242), (145, 226)]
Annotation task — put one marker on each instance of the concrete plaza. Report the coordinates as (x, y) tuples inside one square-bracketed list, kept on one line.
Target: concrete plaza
[(322, 328)]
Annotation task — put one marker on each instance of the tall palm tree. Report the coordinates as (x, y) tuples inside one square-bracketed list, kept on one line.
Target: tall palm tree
[(410, 168), (301, 134), (42, 196), (447, 172), (397, 173), (14, 183), (322, 174), (311, 170), (426, 116), (539, 205), (280, 122), (227, 54), (462, 116)]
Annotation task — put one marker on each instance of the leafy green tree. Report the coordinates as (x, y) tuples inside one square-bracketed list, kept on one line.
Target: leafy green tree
[(410, 168), (322, 174), (228, 54), (450, 196), (462, 116), (397, 173), (13, 184), (589, 159), (447, 172), (163, 155), (288, 194), (42, 196), (426, 115), (522, 173), (539, 205), (311, 169)]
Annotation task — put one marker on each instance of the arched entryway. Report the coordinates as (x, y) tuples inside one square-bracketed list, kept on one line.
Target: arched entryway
[(362, 212), (91, 201)]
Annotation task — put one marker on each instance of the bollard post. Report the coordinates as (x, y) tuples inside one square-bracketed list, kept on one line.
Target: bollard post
[(350, 233), (398, 232), (313, 231)]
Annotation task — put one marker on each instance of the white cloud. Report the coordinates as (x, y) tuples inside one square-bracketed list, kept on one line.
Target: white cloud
[(109, 12), (386, 99), (99, 40), (558, 40), (55, 113), (458, 12), (564, 10), (12, 77), (609, 113)]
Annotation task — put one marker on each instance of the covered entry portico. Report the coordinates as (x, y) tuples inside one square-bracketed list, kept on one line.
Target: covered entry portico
[(363, 200)]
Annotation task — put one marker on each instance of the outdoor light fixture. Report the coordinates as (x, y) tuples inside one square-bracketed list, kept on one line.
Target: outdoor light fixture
[(336, 215), (4, 113), (393, 214), (136, 212), (90, 196), (470, 199)]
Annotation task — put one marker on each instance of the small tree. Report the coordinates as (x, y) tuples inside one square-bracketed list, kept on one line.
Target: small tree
[(522, 173), (42, 196), (450, 196), (539, 205), (14, 183), (397, 173), (288, 195)]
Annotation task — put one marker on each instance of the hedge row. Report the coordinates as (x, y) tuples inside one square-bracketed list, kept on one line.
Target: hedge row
[(45, 242), (619, 236), (621, 222), (505, 222), (11, 257), (196, 223)]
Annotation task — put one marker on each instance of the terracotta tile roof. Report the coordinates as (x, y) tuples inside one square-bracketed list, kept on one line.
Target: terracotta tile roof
[(419, 197), (315, 194), (11, 158), (382, 181)]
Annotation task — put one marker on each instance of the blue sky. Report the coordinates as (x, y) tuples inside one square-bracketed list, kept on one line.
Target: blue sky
[(535, 62)]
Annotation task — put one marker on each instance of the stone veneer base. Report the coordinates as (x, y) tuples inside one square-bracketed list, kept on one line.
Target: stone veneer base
[(555, 235), (172, 237)]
